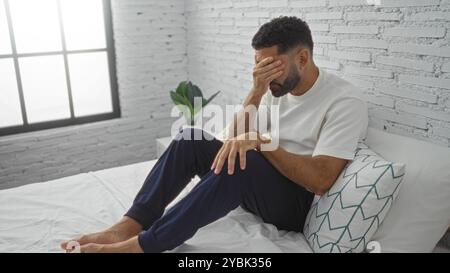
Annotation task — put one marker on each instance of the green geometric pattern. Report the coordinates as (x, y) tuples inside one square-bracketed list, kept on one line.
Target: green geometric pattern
[(346, 217)]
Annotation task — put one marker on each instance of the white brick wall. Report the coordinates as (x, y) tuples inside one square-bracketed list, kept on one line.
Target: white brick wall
[(356, 29), (408, 3), (431, 32), (406, 63), (364, 43), (398, 52), (150, 41), (375, 16), (419, 49)]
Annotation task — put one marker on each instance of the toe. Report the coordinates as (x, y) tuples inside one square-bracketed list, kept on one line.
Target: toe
[(64, 245)]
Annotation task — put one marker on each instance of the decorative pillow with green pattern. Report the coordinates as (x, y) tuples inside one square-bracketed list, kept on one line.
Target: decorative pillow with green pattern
[(345, 218)]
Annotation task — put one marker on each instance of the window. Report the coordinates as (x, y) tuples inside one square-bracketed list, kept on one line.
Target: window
[(57, 64)]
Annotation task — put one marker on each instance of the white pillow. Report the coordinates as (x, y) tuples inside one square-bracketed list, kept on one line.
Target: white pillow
[(421, 215), (345, 218)]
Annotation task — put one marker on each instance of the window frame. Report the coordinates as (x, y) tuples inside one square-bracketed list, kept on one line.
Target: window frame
[(110, 51)]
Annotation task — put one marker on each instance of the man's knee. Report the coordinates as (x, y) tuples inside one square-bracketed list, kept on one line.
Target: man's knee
[(189, 134), (197, 142), (243, 180)]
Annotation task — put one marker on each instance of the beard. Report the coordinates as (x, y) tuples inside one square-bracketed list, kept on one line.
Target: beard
[(287, 86)]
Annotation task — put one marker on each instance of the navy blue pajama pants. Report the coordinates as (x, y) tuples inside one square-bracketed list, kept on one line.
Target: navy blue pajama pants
[(259, 189)]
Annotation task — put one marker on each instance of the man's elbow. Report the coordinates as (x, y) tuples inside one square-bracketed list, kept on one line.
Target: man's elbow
[(324, 186), (320, 191), (327, 174)]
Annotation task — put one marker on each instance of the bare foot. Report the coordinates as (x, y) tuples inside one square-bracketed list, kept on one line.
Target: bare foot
[(122, 231), (129, 246), (104, 237)]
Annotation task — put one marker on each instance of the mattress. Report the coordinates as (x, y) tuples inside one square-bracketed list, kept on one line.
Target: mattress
[(37, 217)]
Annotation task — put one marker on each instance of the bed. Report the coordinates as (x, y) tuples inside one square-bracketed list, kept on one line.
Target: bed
[(37, 217)]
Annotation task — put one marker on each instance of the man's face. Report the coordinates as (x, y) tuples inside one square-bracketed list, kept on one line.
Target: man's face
[(290, 77)]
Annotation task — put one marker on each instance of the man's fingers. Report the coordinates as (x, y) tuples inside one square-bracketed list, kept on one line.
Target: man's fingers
[(232, 158), (216, 159), (264, 62), (242, 158), (213, 165), (269, 67), (273, 76), (221, 159), (272, 72)]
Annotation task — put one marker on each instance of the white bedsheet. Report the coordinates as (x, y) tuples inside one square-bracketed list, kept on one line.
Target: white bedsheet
[(37, 217)]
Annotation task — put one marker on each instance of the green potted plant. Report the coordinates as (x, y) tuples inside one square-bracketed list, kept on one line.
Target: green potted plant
[(184, 96)]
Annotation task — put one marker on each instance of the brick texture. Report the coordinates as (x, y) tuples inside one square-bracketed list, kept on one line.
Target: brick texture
[(150, 41), (396, 51)]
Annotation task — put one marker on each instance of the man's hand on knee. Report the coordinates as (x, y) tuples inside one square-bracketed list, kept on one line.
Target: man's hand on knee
[(234, 146)]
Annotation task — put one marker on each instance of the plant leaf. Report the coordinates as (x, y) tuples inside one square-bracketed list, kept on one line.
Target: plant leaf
[(176, 98), (182, 88), (193, 91), (180, 100), (185, 95), (205, 102)]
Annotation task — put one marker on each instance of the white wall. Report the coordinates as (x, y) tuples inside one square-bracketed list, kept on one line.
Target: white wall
[(397, 52), (406, 78), (151, 60)]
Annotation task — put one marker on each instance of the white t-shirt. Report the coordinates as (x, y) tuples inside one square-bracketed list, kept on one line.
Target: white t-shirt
[(329, 119)]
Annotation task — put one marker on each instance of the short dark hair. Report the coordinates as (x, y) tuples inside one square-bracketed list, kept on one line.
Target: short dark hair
[(284, 32)]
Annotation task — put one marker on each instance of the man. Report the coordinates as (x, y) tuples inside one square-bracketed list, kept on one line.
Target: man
[(321, 120)]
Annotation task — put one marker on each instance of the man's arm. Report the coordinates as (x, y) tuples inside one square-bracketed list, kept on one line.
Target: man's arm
[(317, 174), (344, 122), (263, 73), (243, 120)]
